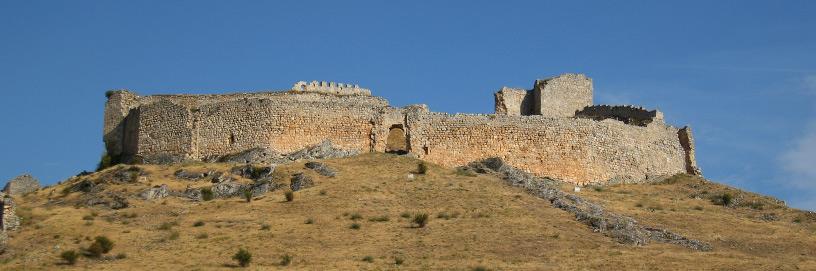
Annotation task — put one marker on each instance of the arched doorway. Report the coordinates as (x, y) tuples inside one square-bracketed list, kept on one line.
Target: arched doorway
[(396, 142)]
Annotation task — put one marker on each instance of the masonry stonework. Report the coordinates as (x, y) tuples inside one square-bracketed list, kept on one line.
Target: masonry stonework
[(536, 130)]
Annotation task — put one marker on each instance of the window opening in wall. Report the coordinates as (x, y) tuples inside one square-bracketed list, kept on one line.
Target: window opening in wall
[(232, 139)]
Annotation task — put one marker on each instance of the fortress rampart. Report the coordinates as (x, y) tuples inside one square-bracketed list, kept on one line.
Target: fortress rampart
[(551, 130)]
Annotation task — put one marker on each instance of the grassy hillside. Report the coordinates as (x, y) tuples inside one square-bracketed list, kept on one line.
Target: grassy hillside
[(355, 221)]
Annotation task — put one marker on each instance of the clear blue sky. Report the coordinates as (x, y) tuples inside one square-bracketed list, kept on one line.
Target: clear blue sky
[(741, 73)]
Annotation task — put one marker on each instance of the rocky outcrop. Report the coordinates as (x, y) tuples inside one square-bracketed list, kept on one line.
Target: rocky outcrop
[(622, 228), (22, 184), (300, 181), (321, 169), (156, 192)]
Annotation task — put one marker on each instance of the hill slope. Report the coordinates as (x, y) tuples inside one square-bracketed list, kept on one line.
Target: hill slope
[(476, 220)]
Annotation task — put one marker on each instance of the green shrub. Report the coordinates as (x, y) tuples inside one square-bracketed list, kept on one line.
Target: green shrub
[(105, 161), (202, 236), (422, 168), (207, 194), (88, 217), (355, 226), (368, 259), (109, 93), (265, 227), (724, 199), (70, 256), (248, 195), (797, 220), (398, 261), (101, 245), (198, 223), (290, 196), (174, 235), (405, 215), (309, 221), (286, 259), (356, 216), (243, 257), (121, 256), (480, 268), (420, 220)]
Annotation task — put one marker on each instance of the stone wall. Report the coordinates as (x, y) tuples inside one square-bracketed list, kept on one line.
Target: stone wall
[(514, 102), (330, 88), (601, 147), (562, 95), (21, 185), (573, 150), (625, 113)]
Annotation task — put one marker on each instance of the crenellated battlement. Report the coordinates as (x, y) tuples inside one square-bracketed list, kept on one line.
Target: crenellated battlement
[(330, 88)]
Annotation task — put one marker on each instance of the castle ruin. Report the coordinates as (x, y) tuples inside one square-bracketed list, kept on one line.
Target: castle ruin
[(551, 130)]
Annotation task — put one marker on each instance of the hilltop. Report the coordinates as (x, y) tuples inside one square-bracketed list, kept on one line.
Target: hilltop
[(361, 218)]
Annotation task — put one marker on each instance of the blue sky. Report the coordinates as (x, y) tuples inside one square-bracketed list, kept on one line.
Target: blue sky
[(741, 73)]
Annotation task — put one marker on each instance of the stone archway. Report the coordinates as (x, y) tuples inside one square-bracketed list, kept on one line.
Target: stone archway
[(396, 142)]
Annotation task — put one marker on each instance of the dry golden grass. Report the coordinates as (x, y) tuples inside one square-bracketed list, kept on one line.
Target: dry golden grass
[(474, 222)]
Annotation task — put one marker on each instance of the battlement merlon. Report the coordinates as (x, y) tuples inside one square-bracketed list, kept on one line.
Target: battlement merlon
[(330, 88)]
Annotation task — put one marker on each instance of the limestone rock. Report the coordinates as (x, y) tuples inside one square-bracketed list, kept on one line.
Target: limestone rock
[(185, 174), (227, 189), (321, 169), (155, 192), (21, 185), (300, 181)]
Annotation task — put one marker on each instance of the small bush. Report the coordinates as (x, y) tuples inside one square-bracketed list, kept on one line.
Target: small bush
[(265, 227), (290, 196), (248, 195), (797, 220), (355, 226), (309, 221), (698, 208), (368, 259), (207, 194), (167, 225), (243, 257), (355, 216), (322, 192), (398, 261), (101, 245), (198, 223), (109, 93), (70, 256), (286, 259), (202, 236), (422, 168), (724, 199), (382, 218), (174, 235), (463, 171), (121, 256), (480, 268), (105, 161), (405, 215), (420, 220), (88, 217)]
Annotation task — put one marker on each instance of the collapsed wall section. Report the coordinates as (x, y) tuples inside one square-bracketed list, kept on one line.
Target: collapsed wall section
[(574, 150), (627, 114)]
